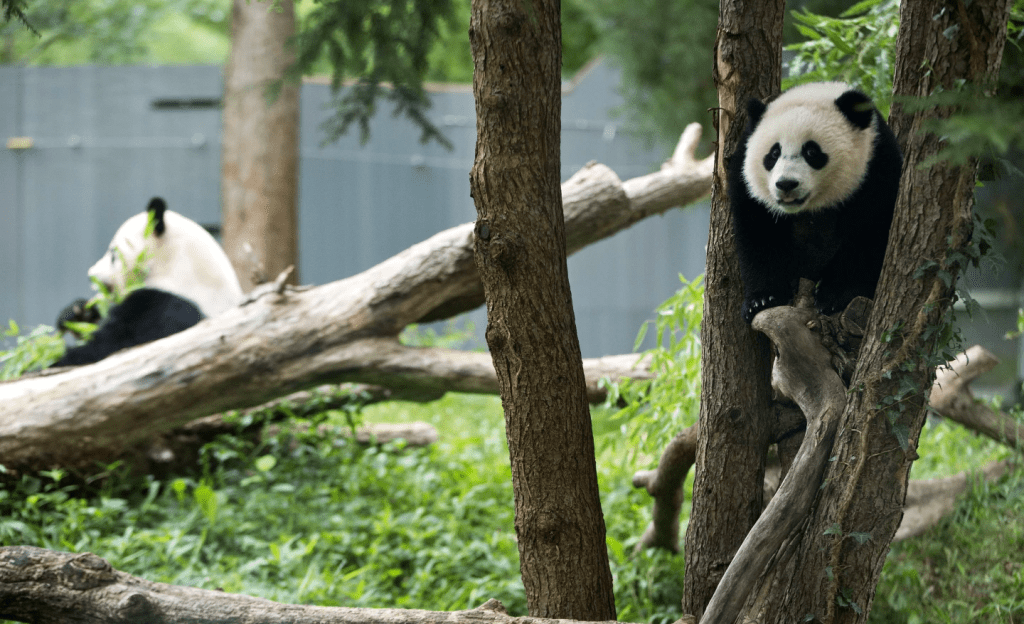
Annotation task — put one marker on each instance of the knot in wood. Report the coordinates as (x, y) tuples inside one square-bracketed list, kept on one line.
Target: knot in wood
[(86, 571), (135, 607), (504, 252), (511, 22), (482, 230)]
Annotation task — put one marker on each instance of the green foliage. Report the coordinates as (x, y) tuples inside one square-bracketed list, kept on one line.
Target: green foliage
[(665, 60), (113, 31), (657, 409), (15, 9), (451, 60), (40, 348), (967, 569), (375, 42), (307, 516), (856, 48)]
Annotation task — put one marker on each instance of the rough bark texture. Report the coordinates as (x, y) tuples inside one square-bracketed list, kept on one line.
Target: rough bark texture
[(285, 341), (531, 330), (735, 393), (832, 572), (259, 180), (48, 587)]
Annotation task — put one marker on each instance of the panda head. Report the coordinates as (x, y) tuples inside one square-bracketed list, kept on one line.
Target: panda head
[(175, 254), (809, 149)]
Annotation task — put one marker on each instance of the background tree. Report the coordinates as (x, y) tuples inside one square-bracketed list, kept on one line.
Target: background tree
[(260, 139), (531, 330)]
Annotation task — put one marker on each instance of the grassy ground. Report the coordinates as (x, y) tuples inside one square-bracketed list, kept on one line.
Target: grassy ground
[(315, 519)]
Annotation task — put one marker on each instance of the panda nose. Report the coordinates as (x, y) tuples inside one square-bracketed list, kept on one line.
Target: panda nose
[(787, 184)]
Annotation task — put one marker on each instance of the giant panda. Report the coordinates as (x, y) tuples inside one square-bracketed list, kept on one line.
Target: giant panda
[(812, 190), (187, 277)]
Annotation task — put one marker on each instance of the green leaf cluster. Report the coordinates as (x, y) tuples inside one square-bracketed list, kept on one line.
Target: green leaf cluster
[(664, 48), (657, 409), (857, 48), (386, 46)]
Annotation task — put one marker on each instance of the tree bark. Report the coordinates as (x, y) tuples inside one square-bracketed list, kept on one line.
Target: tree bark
[(285, 341), (520, 252), (831, 568), (735, 394), (259, 179)]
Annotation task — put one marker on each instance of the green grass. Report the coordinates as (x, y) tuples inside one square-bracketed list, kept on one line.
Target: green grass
[(970, 568), (312, 518)]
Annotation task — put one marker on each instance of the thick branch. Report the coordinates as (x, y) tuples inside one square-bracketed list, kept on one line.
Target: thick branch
[(665, 485), (802, 372), (952, 398), (48, 587), (286, 341)]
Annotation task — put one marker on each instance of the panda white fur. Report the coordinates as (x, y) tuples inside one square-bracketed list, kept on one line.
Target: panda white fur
[(187, 277), (812, 189)]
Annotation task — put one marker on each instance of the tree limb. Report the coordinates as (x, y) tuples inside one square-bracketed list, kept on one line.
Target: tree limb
[(952, 398), (286, 341)]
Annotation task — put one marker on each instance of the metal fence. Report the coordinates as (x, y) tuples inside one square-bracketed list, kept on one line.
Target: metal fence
[(92, 144)]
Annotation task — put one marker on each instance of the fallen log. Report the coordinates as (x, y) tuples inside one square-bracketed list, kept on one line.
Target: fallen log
[(288, 340), (45, 586)]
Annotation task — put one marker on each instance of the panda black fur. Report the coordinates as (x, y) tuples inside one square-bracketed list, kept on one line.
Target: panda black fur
[(812, 189), (145, 315), (188, 277)]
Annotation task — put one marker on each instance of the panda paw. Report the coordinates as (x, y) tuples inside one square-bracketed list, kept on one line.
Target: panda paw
[(760, 301)]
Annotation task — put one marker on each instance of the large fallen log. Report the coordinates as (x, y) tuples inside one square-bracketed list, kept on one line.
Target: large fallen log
[(45, 586), (285, 341)]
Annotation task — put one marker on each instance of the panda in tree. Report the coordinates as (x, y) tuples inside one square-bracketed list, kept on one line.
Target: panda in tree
[(187, 277), (812, 189)]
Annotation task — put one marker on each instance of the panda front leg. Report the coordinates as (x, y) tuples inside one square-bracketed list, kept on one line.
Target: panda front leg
[(766, 264)]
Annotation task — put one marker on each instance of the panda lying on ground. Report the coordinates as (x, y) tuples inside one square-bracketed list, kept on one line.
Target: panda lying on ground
[(812, 188), (187, 277)]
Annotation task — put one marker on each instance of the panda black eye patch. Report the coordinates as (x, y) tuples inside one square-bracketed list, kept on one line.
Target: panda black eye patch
[(812, 153), (772, 157)]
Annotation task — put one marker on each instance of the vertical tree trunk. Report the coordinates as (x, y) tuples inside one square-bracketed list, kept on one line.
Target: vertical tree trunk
[(735, 391), (259, 181), (830, 573), (531, 330)]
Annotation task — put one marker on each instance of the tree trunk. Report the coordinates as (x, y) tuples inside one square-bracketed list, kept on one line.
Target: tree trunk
[(829, 572), (520, 252), (259, 181), (735, 393)]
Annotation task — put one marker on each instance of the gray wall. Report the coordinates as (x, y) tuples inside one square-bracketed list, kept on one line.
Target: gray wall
[(106, 139)]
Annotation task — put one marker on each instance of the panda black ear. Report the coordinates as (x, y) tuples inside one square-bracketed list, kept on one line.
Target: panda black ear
[(157, 206), (856, 107), (755, 110)]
